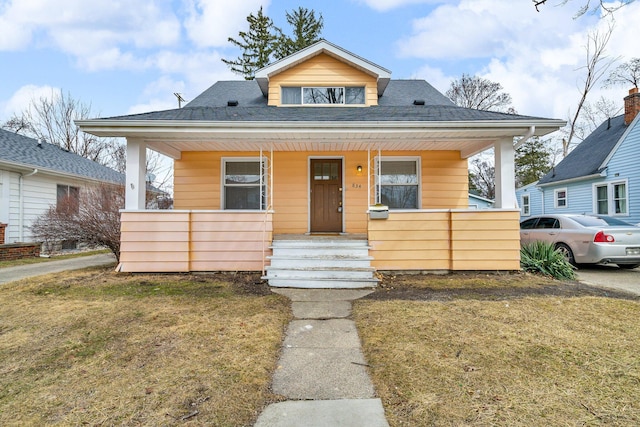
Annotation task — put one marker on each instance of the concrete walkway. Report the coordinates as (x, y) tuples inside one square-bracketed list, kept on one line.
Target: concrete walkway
[(20, 272), (322, 370)]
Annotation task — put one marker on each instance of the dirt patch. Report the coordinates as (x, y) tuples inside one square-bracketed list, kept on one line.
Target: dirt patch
[(482, 286), (243, 283)]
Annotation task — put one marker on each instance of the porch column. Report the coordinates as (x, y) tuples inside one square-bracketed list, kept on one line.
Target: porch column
[(505, 174), (135, 188)]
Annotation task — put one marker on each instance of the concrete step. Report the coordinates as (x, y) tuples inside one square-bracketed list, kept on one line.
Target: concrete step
[(321, 263), (324, 261), (318, 243), (305, 283), (317, 251), (321, 273)]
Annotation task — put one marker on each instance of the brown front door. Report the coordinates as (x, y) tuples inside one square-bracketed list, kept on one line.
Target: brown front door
[(326, 195)]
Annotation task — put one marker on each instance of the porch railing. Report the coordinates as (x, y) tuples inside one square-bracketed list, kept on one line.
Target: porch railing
[(182, 240), (446, 240)]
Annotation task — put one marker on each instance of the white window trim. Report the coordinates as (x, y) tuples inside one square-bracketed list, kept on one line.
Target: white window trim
[(418, 161), (526, 206), (566, 198), (263, 182), (594, 191), (610, 196)]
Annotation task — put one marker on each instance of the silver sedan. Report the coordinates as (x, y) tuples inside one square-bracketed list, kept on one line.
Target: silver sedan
[(586, 239)]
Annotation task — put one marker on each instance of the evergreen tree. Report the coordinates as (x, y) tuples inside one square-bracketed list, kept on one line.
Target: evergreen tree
[(257, 46), (306, 31), (533, 160)]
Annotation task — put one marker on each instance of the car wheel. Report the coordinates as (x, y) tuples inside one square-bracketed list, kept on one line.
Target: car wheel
[(628, 266), (566, 253)]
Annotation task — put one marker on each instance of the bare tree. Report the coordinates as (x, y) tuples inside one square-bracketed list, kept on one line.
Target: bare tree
[(602, 7), (594, 114), (597, 64), (627, 73), (52, 120), (480, 94), (94, 220), (482, 178)]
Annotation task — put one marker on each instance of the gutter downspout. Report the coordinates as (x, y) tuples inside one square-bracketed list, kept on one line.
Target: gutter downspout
[(21, 203), (526, 136)]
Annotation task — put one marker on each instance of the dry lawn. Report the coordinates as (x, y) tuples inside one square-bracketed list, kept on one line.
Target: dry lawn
[(99, 348), (520, 360)]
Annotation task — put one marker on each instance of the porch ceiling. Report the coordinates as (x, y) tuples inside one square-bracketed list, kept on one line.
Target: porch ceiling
[(171, 138)]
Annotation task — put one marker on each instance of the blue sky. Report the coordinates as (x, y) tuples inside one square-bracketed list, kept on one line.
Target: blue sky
[(131, 56)]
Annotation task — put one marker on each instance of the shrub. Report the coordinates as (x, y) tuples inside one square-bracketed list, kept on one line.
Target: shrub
[(543, 258), (94, 219)]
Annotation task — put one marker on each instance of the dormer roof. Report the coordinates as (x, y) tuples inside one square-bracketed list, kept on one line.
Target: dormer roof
[(381, 74)]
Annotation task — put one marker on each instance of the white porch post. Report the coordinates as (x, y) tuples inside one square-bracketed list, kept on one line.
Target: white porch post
[(135, 190), (505, 174)]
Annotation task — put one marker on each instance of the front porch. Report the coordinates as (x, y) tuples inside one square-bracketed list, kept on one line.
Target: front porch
[(425, 240)]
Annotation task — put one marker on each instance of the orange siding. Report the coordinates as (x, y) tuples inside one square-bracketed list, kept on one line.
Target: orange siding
[(410, 241), (196, 181), (159, 241), (152, 242), (197, 184), (323, 70), (446, 240), (485, 240), (445, 183)]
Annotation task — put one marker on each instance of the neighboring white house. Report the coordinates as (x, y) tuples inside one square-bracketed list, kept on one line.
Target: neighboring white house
[(36, 175)]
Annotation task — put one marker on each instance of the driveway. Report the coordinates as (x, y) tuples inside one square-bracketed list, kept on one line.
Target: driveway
[(612, 277), (9, 274)]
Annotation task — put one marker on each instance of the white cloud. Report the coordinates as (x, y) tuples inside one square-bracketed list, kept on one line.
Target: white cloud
[(384, 5), (211, 22), (88, 29), (536, 56), (197, 70), (435, 77), (22, 98)]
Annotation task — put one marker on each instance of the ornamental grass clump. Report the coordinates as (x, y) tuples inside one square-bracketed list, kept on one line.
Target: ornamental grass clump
[(542, 257)]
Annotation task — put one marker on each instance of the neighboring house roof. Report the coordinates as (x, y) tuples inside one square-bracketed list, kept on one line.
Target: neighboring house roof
[(23, 152), (589, 157), (529, 185), (475, 196)]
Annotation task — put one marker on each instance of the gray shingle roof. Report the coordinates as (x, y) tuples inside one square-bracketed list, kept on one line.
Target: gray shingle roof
[(24, 151), (431, 113), (248, 94), (395, 105), (587, 158)]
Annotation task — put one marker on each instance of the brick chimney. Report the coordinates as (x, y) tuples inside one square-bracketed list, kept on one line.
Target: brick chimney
[(631, 105)]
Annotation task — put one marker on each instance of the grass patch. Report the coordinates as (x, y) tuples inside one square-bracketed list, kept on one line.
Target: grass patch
[(99, 348), (530, 360), (462, 280), (37, 260)]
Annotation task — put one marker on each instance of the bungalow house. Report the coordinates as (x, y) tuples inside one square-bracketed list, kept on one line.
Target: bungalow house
[(600, 176), (35, 175), (322, 148)]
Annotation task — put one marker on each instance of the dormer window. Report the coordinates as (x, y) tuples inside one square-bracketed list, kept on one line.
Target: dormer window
[(302, 95)]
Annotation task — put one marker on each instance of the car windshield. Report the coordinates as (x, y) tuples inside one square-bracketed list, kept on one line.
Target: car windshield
[(600, 221)]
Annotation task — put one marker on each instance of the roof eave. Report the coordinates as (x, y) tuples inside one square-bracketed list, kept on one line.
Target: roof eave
[(575, 179), (109, 127), (17, 167)]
